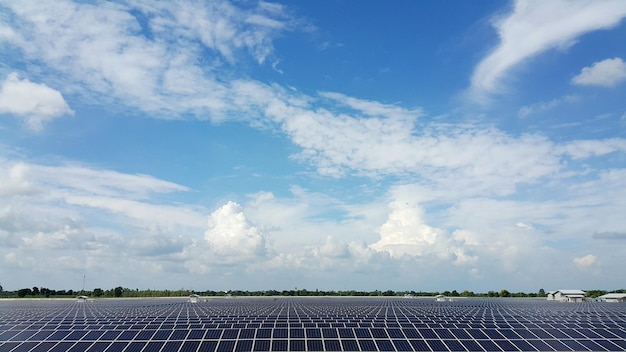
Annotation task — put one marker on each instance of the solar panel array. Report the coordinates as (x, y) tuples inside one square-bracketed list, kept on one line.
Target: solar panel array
[(311, 324)]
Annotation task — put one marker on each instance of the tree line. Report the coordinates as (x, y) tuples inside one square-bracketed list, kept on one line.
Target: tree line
[(41, 292)]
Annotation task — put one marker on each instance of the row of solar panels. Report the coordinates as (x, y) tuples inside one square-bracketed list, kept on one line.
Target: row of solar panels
[(241, 325), (182, 334), (317, 345)]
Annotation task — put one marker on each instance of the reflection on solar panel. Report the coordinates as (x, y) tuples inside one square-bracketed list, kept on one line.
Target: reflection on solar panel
[(310, 324)]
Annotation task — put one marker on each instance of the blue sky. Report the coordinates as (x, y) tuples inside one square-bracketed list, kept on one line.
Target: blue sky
[(321, 145)]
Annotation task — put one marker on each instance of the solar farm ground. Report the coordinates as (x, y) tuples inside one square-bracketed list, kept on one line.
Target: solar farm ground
[(310, 324)]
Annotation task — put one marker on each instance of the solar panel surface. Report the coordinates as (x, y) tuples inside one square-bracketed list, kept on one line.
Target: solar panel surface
[(310, 324)]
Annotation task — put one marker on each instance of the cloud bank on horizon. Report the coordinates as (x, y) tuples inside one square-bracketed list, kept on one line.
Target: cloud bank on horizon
[(261, 145)]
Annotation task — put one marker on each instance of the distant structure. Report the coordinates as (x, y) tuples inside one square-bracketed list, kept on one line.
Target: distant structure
[(566, 296), (193, 298), (82, 299), (613, 297), (440, 298)]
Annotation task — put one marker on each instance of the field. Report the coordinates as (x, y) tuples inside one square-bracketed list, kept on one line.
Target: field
[(310, 324)]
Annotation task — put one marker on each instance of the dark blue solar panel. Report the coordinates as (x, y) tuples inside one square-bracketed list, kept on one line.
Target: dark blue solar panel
[(297, 345), (230, 334), (280, 333), (488, 345), (242, 345), (350, 345), (379, 333), (153, 346), (96, 347), (608, 345), (313, 333), (213, 334), (43, 347), (226, 346), (471, 345), (262, 345), (135, 346), (315, 345), (117, 346), (436, 345), (329, 333), (385, 345), (207, 346), (56, 336), (23, 347)]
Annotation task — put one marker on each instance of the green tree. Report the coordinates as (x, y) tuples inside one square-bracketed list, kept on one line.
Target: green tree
[(21, 293), (505, 293), (541, 293), (119, 290), (98, 292), (35, 291)]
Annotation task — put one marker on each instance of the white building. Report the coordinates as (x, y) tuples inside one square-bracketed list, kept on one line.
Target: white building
[(82, 298), (193, 298), (613, 297), (440, 298), (566, 296)]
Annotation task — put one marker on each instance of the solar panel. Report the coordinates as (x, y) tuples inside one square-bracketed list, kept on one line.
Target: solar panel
[(359, 324)]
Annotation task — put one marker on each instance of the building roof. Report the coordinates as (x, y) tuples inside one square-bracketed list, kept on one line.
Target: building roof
[(613, 295), (571, 292)]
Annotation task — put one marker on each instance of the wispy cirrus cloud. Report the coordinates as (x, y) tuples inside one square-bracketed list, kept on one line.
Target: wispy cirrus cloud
[(533, 27), (157, 57), (546, 105)]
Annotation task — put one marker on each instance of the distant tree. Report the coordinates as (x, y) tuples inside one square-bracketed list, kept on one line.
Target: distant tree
[(119, 291), (21, 293), (541, 293), (35, 291), (505, 293), (45, 292), (595, 293), (98, 292), (1, 289), (454, 293)]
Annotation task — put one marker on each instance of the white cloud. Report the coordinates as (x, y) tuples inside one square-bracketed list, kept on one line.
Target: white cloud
[(535, 26), (582, 149), (543, 106), (606, 73), (35, 103), (230, 234), (585, 261), (373, 108), (405, 233), (108, 51)]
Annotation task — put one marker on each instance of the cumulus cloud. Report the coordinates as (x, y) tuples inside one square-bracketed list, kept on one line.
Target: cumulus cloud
[(35, 103), (585, 261), (405, 233), (606, 73), (533, 27), (230, 233)]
